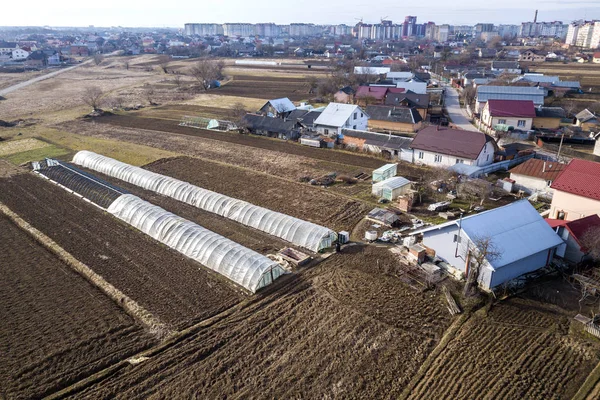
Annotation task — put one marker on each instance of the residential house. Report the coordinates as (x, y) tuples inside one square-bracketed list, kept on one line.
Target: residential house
[(516, 113), (371, 70), (573, 234), (80, 50), (394, 118), (278, 108), (532, 55), (19, 54), (487, 53), (305, 118), (366, 95), (444, 147), (422, 77), (485, 93), (469, 76), (536, 175), (8, 47), (413, 86), (36, 59), (587, 120), (402, 76), (345, 95), (596, 57), (510, 67), (338, 116), (576, 191), (548, 117), (418, 101), (389, 146), (272, 127), (523, 240), (54, 59)]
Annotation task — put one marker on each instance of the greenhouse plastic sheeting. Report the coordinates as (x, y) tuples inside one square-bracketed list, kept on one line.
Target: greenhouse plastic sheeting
[(243, 266), (299, 232)]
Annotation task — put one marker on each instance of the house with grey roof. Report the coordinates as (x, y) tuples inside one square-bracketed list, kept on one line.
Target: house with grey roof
[(390, 146), (587, 120), (522, 240), (337, 116), (386, 118), (485, 93), (279, 108), (511, 67)]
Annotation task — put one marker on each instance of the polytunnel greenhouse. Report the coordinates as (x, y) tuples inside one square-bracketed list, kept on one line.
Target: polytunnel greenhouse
[(299, 232), (243, 266)]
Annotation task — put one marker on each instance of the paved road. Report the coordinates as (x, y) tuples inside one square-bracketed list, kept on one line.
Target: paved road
[(457, 115), (21, 85)]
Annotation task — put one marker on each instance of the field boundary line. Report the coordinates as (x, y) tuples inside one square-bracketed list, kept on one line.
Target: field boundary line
[(140, 314), (589, 385), (449, 335)]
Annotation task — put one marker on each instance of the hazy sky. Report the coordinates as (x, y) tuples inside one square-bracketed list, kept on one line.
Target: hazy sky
[(166, 14)]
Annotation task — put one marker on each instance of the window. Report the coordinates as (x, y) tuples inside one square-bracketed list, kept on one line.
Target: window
[(457, 239), (549, 183), (326, 131), (502, 121), (362, 115), (438, 158), (521, 123), (487, 158), (459, 161), (355, 115), (561, 215), (354, 127), (421, 155)]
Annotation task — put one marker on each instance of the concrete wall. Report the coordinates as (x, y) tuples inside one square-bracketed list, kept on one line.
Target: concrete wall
[(546, 123), (574, 207), (394, 126), (529, 184)]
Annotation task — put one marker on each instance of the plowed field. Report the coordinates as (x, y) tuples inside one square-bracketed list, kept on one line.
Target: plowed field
[(56, 327), (177, 290), (258, 86), (339, 330)]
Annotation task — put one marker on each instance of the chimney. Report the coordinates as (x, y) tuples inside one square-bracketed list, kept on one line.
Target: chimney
[(535, 17), (544, 167)]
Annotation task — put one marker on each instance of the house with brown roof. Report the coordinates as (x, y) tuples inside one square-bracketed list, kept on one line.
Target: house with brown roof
[(576, 191), (419, 101), (548, 117), (444, 147), (573, 233), (535, 175), (516, 113), (400, 119)]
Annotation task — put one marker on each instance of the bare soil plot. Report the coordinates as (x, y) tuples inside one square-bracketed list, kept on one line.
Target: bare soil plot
[(265, 87), (521, 349), (56, 327), (175, 289), (295, 199), (307, 339)]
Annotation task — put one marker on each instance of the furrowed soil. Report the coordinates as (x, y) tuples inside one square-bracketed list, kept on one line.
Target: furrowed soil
[(344, 329), (56, 327), (521, 350), (263, 87), (175, 289), (293, 198)]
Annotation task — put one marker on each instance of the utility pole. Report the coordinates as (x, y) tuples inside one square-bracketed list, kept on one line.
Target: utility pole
[(562, 137)]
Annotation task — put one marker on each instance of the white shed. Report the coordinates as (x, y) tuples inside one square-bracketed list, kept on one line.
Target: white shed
[(391, 188), (385, 172)]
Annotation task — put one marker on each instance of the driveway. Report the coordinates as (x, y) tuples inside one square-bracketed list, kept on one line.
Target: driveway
[(457, 115), (21, 85)]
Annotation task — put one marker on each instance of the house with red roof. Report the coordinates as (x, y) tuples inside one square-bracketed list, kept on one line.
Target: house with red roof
[(444, 147), (573, 233), (516, 113), (366, 95), (576, 191), (536, 176)]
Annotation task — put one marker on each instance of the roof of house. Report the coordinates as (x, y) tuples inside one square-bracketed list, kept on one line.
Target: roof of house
[(400, 75), (550, 112), (485, 93), (516, 231), (305, 117), (409, 99), (505, 65), (416, 87), (380, 140), (37, 55), (478, 75), (540, 78), (585, 115), (581, 178), (281, 105), (567, 84), (336, 114), (454, 142), (577, 228), (535, 168), (377, 92), (347, 90), (407, 115), (270, 124), (422, 76), (511, 108)]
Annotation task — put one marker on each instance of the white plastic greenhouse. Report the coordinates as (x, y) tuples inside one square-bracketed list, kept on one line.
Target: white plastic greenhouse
[(243, 266), (299, 232)]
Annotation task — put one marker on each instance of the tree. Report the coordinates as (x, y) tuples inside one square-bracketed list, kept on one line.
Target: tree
[(163, 63), (473, 190), (205, 71), (177, 78), (92, 96), (590, 241), (468, 95), (312, 83), (126, 64), (481, 251), (98, 58), (236, 114), (148, 93)]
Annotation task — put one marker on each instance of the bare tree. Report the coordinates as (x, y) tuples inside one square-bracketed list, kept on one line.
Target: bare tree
[(177, 78), (115, 102), (163, 63), (149, 93), (590, 241), (481, 251), (92, 96), (126, 64), (205, 71), (468, 95), (236, 114), (473, 190), (98, 58), (312, 83)]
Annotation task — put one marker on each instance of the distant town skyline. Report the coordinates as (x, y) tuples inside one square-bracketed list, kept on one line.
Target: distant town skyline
[(140, 13)]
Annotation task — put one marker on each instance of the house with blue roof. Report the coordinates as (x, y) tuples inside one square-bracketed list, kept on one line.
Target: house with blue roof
[(523, 241)]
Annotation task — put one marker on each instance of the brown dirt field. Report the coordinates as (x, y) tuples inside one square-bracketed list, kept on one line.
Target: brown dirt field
[(522, 349), (265, 87), (246, 236), (339, 330), (177, 290), (295, 199), (56, 327)]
